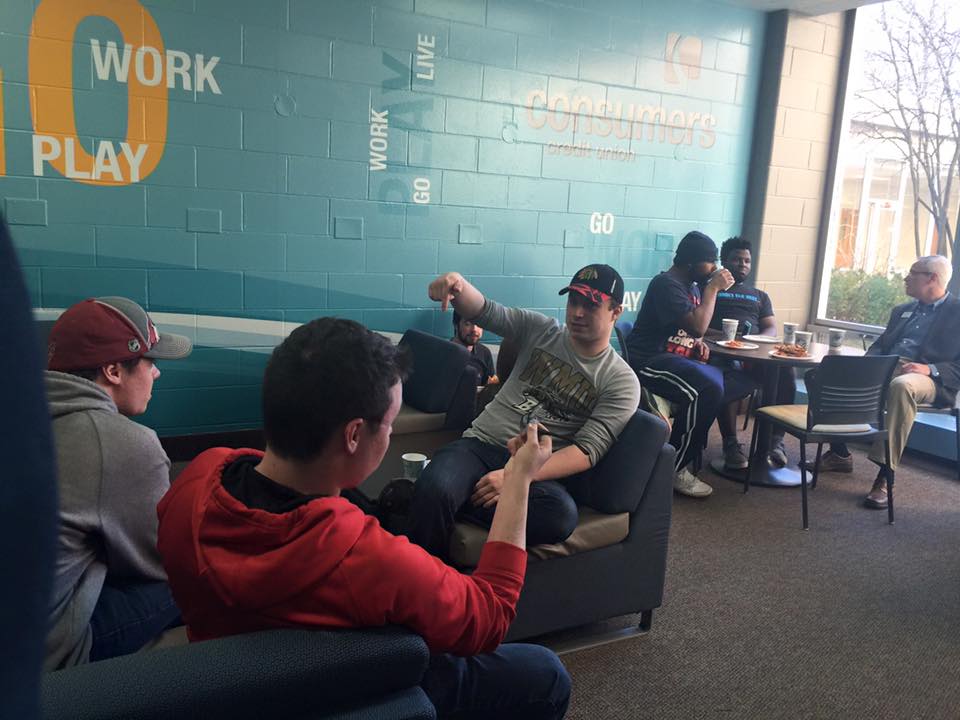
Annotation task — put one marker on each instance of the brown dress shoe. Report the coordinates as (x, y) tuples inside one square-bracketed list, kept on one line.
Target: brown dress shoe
[(876, 499), (831, 462)]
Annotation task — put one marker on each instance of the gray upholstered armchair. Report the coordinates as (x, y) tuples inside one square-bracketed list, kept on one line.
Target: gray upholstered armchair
[(615, 561)]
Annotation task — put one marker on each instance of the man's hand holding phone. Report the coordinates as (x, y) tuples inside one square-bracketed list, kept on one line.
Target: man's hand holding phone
[(529, 451), (527, 455)]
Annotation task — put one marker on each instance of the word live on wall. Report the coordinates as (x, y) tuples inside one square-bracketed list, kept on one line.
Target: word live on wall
[(149, 70)]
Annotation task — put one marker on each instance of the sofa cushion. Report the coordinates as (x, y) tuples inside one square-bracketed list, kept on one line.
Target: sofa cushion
[(594, 530), (411, 420)]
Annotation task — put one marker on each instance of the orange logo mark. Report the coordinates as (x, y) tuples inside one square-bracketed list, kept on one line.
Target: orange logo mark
[(51, 91), (685, 51)]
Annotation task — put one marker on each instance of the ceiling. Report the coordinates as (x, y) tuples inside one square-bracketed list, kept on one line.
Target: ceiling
[(807, 7)]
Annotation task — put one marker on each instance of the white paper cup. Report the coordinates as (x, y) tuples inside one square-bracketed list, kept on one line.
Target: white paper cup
[(729, 328), (413, 465), (804, 339), (835, 337), (790, 332)]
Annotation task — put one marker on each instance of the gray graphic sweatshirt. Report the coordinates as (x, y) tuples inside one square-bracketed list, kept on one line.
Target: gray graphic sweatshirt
[(581, 401), (112, 472)]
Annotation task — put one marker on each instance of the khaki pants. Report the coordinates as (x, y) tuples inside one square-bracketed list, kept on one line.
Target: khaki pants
[(906, 391)]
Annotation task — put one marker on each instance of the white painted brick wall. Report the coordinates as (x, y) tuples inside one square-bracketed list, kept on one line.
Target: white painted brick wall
[(788, 236)]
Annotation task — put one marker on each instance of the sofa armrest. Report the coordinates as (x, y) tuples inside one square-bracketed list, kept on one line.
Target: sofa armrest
[(273, 673), (618, 481)]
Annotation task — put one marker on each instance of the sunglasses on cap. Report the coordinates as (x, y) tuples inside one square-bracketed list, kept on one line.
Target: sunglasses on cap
[(590, 293)]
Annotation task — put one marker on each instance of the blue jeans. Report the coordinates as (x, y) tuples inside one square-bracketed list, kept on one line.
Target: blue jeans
[(445, 486), (129, 615), (520, 681)]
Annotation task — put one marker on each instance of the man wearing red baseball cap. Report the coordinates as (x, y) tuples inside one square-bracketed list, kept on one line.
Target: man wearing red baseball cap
[(567, 378), (110, 594)]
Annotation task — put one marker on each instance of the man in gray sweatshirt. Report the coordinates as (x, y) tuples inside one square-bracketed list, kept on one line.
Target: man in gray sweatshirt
[(566, 378), (110, 594)]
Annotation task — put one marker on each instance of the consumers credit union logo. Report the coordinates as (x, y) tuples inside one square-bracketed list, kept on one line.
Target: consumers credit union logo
[(683, 54)]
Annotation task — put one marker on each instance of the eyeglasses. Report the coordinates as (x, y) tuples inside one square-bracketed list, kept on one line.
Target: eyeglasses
[(920, 272)]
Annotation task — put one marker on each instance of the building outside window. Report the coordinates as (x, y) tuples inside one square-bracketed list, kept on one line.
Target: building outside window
[(878, 224)]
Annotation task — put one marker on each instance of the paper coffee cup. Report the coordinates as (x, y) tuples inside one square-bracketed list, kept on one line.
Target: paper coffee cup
[(729, 328), (413, 465), (804, 339), (789, 332), (836, 336)]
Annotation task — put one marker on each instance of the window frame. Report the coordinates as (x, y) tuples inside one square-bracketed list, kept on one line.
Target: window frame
[(834, 181)]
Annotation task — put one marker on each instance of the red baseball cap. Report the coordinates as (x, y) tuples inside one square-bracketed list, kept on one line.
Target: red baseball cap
[(99, 331)]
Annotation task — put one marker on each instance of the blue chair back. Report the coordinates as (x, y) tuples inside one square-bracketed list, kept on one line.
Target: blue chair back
[(438, 365)]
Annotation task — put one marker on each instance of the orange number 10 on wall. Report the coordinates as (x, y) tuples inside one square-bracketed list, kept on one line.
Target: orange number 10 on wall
[(51, 95)]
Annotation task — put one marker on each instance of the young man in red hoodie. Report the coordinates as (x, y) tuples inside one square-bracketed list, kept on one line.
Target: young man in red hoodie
[(255, 540)]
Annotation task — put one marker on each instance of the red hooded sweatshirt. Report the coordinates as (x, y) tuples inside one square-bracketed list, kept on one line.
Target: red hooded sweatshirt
[(235, 569)]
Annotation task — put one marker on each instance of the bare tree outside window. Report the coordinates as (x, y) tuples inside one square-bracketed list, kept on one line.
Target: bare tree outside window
[(897, 194), (910, 100)]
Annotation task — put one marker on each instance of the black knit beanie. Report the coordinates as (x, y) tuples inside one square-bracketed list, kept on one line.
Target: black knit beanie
[(695, 248)]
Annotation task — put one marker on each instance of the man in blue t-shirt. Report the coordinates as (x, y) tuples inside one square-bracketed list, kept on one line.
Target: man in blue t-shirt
[(754, 311), (668, 354)]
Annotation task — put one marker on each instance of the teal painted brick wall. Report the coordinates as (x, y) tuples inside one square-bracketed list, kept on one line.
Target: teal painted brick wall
[(505, 135)]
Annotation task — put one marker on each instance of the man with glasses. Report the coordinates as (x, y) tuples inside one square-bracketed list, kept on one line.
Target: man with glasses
[(925, 333)]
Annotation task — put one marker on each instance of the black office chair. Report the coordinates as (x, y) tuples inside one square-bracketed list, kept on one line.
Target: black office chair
[(847, 398)]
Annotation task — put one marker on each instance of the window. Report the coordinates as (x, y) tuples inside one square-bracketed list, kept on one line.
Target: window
[(878, 225)]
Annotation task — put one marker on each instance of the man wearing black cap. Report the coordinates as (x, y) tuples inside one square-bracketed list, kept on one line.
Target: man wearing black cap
[(467, 333), (110, 595), (567, 378), (669, 356)]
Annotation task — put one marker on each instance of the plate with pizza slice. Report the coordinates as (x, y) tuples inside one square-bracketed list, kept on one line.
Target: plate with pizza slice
[(737, 345), (790, 351)]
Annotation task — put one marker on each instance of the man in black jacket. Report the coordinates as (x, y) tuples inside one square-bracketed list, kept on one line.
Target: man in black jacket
[(925, 333)]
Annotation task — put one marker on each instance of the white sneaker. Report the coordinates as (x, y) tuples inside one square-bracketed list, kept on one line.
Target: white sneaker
[(686, 483)]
